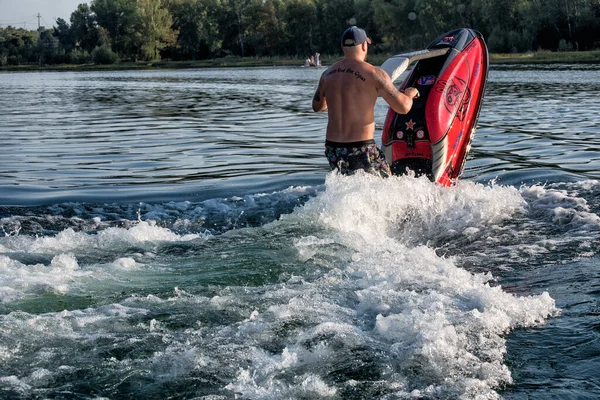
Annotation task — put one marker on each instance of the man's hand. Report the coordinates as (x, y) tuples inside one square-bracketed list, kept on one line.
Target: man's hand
[(412, 92)]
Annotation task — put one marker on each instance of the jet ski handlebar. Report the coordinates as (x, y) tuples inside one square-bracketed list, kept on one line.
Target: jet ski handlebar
[(396, 65)]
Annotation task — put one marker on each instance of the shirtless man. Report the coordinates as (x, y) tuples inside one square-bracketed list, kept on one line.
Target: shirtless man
[(348, 91)]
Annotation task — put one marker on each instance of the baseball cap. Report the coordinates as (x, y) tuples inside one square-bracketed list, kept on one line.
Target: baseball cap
[(354, 36)]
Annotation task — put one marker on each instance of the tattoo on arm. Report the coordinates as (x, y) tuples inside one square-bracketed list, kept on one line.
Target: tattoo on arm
[(384, 83), (317, 95), (319, 102)]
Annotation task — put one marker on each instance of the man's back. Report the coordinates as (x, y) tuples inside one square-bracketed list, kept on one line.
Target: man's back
[(349, 89), (351, 92)]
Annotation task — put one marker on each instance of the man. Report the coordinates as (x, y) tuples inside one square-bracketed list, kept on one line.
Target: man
[(348, 91)]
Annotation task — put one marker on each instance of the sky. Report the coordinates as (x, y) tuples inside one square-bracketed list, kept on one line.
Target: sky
[(23, 13)]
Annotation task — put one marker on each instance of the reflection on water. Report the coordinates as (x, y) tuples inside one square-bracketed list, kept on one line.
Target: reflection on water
[(538, 125), (140, 135), (80, 131)]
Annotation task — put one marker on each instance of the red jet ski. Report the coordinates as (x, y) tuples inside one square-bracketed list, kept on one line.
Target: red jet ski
[(433, 139)]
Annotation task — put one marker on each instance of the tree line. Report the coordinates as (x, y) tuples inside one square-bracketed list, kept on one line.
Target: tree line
[(106, 31)]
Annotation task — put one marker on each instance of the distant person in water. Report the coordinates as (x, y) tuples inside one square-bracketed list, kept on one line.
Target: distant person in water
[(348, 91)]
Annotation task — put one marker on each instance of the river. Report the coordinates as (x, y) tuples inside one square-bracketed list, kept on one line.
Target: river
[(177, 234)]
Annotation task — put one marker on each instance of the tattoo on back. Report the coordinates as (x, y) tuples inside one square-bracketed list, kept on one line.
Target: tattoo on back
[(357, 74)]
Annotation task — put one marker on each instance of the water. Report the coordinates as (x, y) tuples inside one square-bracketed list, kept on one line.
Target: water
[(176, 234)]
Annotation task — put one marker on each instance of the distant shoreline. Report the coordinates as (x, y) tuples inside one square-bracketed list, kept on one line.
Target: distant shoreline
[(548, 57), (540, 57)]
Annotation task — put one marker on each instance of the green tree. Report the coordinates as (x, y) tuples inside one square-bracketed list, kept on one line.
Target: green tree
[(234, 26), (301, 26), (436, 17), (17, 46), (198, 26), (46, 49), (586, 33), (363, 17), (154, 32), (83, 28), (62, 31), (214, 28), (392, 21), (119, 19), (265, 27), (574, 23), (333, 18)]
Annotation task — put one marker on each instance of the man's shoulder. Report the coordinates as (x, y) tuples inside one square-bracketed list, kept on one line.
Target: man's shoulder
[(380, 75), (372, 69), (335, 65)]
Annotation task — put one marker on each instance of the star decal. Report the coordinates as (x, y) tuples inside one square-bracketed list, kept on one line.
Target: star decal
[(410, 124)]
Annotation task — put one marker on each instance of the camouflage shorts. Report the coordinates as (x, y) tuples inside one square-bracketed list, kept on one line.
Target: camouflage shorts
[(350, 157)]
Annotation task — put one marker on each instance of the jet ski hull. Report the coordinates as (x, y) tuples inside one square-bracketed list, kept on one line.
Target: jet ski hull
[(435, 136)]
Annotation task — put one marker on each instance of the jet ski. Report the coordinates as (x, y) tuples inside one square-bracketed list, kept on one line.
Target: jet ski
[(433, 139)]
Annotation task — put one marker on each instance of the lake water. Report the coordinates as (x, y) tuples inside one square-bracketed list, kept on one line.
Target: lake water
[(176, 234)]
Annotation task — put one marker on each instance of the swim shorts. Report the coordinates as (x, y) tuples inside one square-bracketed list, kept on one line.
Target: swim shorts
[(352, 156)]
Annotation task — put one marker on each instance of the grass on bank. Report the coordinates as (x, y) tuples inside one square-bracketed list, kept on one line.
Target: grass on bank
[(165, 64), (545, 56), (539, 57)]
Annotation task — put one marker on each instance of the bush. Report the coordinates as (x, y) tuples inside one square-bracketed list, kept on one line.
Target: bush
[(104, 55), (79, 56), (563, 45), (14, 60)]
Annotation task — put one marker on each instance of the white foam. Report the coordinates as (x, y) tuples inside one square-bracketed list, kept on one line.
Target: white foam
[(262, 384), (88, 324), (144, 232), (375, 287), (443, 322), (369, 210), (564, 208), (126, 264), (307, 246), (587, 185), (62, 274), (431, 315), (175, 361), (17, 278), (16, 384)]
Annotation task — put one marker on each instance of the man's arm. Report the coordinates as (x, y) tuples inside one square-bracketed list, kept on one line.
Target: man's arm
[(319, 103), (400, 102)]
